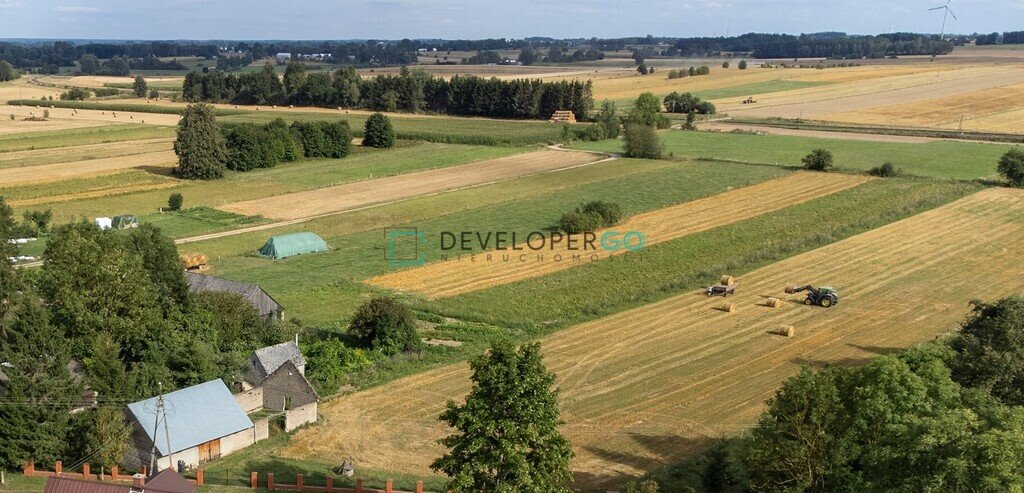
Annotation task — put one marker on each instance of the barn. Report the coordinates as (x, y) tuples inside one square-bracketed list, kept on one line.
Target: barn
[(203, 423), (265, 304)]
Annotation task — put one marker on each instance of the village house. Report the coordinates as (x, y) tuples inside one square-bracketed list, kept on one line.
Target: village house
[(275, 381)]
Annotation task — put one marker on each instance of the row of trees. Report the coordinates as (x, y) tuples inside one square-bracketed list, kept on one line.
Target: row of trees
[(410, 90), (819, 45)]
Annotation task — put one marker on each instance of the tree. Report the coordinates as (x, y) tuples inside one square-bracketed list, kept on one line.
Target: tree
[(140, 86), (7, 71), (294, 77), (385, 324), (642, 141), (609, 212), (378, 132), (646, 110), (506, 433), (154, 94), (990, 350), (818, 160), (608, 119), (89, 64), (175, 201), (329, 361), (742, 65), (200, 146), (107, 437), (160, 258), (643, 486), (527, 56), (1011, 166), (717, 475)]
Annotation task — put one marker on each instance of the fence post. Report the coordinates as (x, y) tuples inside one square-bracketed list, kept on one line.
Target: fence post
[(389, 486), (330, 484), (144, 472), (270, 481), (114, 473), (359, 485), (419, 486), (254, 480), (200, 477), (58, 467), (85, 471), (29, 469), (298, 482)]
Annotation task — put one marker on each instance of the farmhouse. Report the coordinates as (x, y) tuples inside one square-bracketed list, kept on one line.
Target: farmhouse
[(267, 307), (200, 423), (275, 381), (283, 57)]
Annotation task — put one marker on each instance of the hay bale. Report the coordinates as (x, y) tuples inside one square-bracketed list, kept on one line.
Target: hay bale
[(787, 331), (791, 289), (194, 261), (728, 307), (773, 303), (727, 280)]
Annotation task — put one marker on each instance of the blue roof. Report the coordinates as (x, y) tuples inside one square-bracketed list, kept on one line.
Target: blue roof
[(195, 415)]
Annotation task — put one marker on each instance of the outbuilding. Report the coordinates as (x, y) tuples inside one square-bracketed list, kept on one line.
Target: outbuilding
[(265, 304)]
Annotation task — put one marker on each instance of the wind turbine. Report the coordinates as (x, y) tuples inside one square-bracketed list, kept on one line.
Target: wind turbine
[(942, 34)]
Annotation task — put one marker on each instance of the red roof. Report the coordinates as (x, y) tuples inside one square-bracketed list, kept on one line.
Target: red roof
[(170, 482), (57, 484)]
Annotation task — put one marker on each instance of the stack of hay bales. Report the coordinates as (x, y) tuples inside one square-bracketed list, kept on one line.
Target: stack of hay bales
[(787, 331), (727, 281), (195, 261), (773, 303)]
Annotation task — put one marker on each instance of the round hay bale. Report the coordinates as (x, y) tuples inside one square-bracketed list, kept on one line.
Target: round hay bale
[(773, 302), (787, 331), (791, 289), (727, 280), (291, 105), (728, 307)]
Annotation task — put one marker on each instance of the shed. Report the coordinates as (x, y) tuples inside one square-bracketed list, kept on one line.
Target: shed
[(265, 304), (124, 221), (281, 246), (264, 361), (204, 423)]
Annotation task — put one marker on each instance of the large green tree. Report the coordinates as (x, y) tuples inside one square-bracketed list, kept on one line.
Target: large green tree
[(200, 146), (7, 71), (1011, 166), (646, 110), (385, 324), (990, 350), (160, 259), (378, 132), (506, 433), (140, 86), (294, 77)]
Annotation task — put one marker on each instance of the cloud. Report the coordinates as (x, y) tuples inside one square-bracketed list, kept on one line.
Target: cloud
[(74, 10), (9, 4)]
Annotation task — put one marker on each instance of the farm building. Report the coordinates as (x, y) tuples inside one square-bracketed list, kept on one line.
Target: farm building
[(203, 423), (125, 221), (276, 381), (265, 304), (167, 481), (282, 246)]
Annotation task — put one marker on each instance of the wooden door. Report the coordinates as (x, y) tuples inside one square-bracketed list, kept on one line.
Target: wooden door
[(209, 451)]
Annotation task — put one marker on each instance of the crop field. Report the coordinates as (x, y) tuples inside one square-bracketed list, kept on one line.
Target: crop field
[(652, 386), (72, 138), (18, 159), (458, 275), (160, 160), (366, 193), (936, 159)]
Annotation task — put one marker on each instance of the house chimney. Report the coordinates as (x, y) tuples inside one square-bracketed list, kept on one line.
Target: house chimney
[(138, 481), (296, 339)]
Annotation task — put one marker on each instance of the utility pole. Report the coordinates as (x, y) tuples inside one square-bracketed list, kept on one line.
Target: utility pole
[(961, 124), (160, 410)]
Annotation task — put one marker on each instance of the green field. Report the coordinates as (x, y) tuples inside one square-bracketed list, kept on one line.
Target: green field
[(97, 184), (938, 159), (765, 87), (71, 154), (618, 283), (82, 136), (330, 287), (160, 85)]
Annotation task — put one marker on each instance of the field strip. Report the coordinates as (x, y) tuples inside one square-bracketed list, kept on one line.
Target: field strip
[(64, 171), (104, 192), (18, 159), (461, 275), (945, 112), (394, 188), (650, 386)]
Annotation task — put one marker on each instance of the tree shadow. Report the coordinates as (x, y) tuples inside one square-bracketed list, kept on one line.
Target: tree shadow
[(664, 450)]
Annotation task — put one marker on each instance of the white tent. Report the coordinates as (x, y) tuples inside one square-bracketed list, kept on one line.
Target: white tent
[(104, 222)]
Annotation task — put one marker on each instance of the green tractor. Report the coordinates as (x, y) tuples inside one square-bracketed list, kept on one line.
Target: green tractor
[(824, 296)]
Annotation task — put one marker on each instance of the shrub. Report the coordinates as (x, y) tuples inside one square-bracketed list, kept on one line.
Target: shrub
[(154, 94), (1011, 166), (75, 94), (590, 133), (249, 148), (885, 170), (610, 213), (608, 119), (818, 160), (175, 201), (106, 92), (384, 324), (328, 362), (742, 65), (46, 113), (323, 139), (725, 64), (580, 222), (642, 141), (378, 132)]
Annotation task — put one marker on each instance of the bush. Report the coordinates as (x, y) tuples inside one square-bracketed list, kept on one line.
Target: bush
[(46, 113), (328, 363), (642, 141), (1011, 166), (610, 213), (386, 325), (75, 94), (725, 64), (885, 170), (577, 221), (175, 201), (818, 160), (323, 139), (378, 132), (154, 94), (249, 148), (742, 65), (608, 119), (592, 133), (106, 92)]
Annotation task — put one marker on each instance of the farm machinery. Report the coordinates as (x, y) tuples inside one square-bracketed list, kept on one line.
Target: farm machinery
[(824, 296), (749, 100)]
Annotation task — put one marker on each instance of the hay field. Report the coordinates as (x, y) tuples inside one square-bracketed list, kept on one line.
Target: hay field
[(650, 386), (35, 157), (383, 190), (66, 170), (66, 118), (457, 276)]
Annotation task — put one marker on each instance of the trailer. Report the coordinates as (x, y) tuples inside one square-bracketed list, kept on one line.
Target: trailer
[(721, 289)]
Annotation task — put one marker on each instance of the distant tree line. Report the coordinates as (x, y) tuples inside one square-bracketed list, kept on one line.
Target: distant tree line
[(823, 45), (411, 90), (65, 54), (1011, 37)]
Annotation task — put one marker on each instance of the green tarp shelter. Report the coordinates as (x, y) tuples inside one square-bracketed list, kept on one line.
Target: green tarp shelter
[(124, 222), (282, 246)]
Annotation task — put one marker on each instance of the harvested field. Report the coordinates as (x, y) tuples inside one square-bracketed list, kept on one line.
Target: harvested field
[(118, 183), (61, 118), (64, 171), (944, 112), (460, 275), (653, 385), (74, 137), (383, 190), (85, 152)]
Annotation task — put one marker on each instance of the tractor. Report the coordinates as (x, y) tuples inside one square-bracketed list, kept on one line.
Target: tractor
[(824, 296)]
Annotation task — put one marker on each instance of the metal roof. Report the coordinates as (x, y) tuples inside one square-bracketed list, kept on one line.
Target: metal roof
[(195, 415), (200, 282), (272, 357), (55, 484), (170, 481)]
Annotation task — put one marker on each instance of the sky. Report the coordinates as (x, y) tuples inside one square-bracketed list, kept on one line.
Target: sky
[(475, 19)]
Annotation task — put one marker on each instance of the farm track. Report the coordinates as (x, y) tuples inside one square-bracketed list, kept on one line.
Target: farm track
[(650, 386), (350, 196), (63, 171), (456, 276)]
